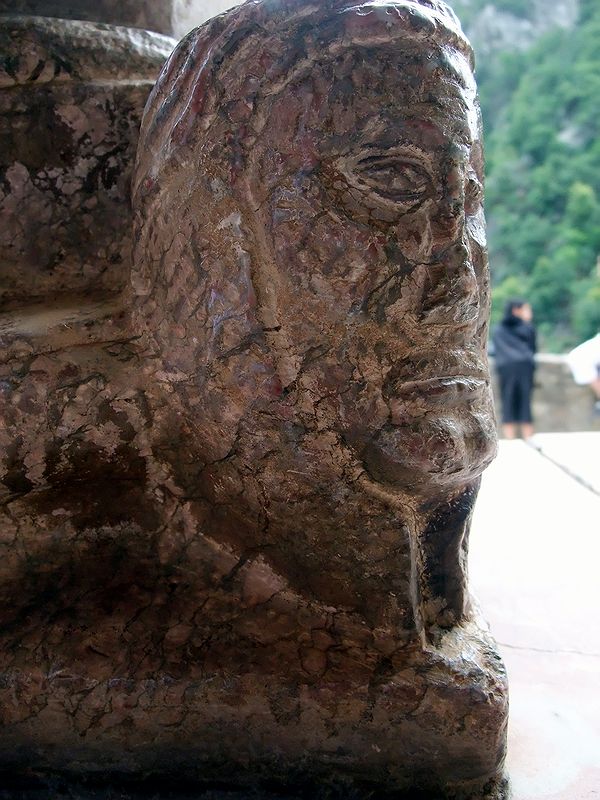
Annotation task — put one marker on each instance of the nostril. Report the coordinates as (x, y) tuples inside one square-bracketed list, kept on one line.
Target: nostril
[(447, 228)]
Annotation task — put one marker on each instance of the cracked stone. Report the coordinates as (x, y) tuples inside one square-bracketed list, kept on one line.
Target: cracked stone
[(71, 100), (237, 483)]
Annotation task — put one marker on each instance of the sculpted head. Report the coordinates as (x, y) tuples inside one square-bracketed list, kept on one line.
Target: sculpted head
[(311, 246)]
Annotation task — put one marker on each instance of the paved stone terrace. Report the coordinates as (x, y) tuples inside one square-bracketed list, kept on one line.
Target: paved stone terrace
[(535, 568)]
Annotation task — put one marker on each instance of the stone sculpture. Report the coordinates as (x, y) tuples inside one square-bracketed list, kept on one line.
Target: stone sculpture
[(237, 512)]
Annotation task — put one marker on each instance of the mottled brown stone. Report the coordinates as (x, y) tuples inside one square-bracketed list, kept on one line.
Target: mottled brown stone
[(71, 100), (237, 499), (153, 15)]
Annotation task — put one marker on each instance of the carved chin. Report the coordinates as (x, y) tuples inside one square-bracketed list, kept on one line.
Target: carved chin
[(433, 452)]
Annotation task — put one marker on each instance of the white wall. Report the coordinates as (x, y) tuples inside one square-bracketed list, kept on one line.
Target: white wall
[(187, 14)]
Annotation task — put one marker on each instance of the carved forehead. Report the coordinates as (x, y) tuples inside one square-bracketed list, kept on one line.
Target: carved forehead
[(224, 73), (373, 94)]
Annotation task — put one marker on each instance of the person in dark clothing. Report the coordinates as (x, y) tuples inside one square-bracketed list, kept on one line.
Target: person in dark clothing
[(514, 344)]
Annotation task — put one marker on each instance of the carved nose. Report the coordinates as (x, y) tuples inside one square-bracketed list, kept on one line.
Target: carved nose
[(448, 218), (452, 297), (468, 304), (460, 270), (447, 225)]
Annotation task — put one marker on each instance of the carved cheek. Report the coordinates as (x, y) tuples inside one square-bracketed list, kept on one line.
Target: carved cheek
[(363, 409), (332, 258)]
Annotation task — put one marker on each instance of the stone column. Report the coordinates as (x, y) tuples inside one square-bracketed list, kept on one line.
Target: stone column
[(153, 15), (71, 98)]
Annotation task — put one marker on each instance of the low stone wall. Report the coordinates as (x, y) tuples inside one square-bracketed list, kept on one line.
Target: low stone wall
[(559, 404)]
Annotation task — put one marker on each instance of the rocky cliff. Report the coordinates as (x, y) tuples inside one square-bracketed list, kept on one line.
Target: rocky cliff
[(512, 24)]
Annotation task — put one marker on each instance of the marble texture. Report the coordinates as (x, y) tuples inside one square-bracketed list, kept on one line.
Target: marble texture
[(153, 15), (237, 496), (71, 100)]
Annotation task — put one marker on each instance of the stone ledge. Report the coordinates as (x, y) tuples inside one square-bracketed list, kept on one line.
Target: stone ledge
[(40, 50), (155, 16)]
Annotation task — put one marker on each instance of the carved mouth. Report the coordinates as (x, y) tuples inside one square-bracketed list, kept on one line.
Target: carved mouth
[(449, 386)]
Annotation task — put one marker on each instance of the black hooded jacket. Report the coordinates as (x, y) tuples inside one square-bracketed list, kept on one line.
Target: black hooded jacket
[(514, 342)]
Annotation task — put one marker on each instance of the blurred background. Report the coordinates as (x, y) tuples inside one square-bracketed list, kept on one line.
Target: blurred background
[(538, 70)]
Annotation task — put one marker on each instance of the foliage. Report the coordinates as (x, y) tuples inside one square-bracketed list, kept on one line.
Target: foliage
[(467, 9), (543, 176), (512, 288)]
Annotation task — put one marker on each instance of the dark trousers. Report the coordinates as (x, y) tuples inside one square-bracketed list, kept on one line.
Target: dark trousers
[(516, 385)]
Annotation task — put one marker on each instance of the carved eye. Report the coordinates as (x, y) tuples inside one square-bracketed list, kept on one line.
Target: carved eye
[(394, 179)]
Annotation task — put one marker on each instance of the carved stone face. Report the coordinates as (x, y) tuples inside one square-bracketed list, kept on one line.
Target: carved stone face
[(313, 204), (371, 254)]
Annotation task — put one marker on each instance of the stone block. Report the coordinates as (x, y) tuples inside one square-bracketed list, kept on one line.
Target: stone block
[(71, 99)]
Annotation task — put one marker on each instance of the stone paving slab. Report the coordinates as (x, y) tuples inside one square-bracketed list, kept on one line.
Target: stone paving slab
[(535, 556), (577, 453)]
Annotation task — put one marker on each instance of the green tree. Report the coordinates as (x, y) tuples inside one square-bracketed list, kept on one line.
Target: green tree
[(586, 309), (543, 177)]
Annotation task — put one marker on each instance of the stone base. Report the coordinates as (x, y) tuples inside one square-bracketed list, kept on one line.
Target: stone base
[(437, 726)]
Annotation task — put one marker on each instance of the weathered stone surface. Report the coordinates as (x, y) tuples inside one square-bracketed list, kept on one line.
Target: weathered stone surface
[(71, 100), (172, 17), (237, 502), (153, 15)]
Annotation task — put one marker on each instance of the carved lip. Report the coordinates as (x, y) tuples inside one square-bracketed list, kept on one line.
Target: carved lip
[(453, 385)]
